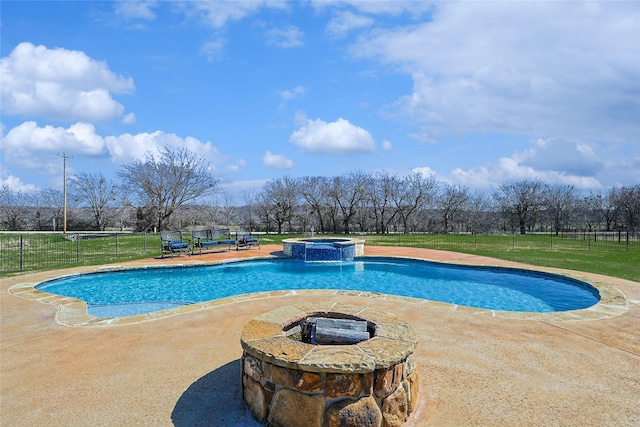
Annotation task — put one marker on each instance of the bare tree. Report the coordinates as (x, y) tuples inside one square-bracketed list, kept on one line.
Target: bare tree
[(14, 208), (315, 192), (248, 213), (227, 209), (123, 210), (521, 201), (604, 206), (562, 203), (264, 212), (379, 195), (348, 192), (51, 201), (450, 201), (281, 196), (412, 193), (478, 209), (629, 205), (95, 191), (165, 182)]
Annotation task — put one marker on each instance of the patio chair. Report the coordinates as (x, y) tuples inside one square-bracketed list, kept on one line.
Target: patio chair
[(244, 239), (173, 243), (210, 238)]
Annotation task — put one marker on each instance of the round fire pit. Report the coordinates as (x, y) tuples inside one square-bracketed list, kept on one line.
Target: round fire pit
[(328, 366)]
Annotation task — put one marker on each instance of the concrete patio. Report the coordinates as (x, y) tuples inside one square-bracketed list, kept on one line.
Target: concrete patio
[(476, 367)]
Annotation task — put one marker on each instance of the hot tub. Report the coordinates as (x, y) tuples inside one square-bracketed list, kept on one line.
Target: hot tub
[(323, 249)]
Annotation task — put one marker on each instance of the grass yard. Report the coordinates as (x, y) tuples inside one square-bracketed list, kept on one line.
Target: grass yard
[(47, 251), (610, 258)]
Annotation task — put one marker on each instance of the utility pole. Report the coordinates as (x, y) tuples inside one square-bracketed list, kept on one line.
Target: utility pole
[(64, 169)]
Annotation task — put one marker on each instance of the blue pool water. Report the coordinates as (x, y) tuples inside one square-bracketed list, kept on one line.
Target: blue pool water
[(129, 292)]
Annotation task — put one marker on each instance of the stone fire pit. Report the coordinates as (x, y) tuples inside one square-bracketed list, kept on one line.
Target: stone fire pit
[(362, 377)]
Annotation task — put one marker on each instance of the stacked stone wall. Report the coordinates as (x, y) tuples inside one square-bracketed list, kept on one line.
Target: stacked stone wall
[(285, 397)]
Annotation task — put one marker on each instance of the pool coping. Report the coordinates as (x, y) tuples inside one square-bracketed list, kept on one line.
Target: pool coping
[(73, 312)]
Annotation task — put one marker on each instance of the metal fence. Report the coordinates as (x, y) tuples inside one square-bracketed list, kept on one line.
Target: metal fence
[(24, 252), (582, 241), (41, 251)]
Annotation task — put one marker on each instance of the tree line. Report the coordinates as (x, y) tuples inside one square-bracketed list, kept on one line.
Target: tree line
[(175, 189)]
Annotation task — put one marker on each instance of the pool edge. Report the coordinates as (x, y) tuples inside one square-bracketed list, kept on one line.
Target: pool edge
[(73, 312)]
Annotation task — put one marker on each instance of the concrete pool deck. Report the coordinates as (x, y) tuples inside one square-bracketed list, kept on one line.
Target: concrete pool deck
[(476, 367)]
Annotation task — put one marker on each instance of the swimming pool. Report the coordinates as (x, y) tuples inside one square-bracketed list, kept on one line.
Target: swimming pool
[(130, 292)]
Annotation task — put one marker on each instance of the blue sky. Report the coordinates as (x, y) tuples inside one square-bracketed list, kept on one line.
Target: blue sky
[(477, 93)]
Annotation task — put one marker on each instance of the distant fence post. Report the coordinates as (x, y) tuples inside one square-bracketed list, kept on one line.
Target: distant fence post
[(116, 245), (77, 247), (145, 242), (21, 251)]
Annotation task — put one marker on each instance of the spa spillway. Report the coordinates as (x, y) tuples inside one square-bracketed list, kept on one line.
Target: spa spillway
[(323, 249)]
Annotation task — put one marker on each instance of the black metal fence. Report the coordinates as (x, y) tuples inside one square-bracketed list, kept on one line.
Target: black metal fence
[(24, 252), (41, 251), (579, 241)]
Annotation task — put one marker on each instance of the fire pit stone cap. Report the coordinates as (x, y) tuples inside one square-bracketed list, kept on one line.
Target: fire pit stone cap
[(266, 339)]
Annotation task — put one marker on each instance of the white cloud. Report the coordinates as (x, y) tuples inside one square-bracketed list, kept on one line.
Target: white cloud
[(425, 171), (519, 67), (16, 184), (59, 84), (277, 161), (237, 166), (129, 119), (27, 144), (479, 177), (386, 145), (288, 94), (395, 7), (345, 21), (243, 192), (218, 13), (213, 48), (339, 137), (561, 155), (552, 161), (126, 147), (285, 37), (138, 9)]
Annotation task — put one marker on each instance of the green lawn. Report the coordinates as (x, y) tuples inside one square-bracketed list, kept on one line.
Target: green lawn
[(625, 265), (617, 259)]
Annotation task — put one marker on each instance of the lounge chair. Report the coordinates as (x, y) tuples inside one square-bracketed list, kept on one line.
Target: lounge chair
[(172, 243), (211, 238), (244, 239)]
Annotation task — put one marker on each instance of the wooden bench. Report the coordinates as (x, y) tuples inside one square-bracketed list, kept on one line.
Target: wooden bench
[(244, 239), (172, 243), (211, 238)]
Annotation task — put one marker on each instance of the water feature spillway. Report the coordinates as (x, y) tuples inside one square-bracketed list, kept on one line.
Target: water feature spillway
[(323, 249)]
